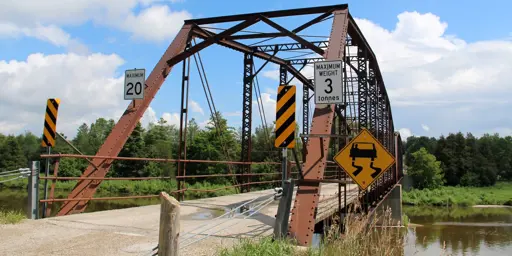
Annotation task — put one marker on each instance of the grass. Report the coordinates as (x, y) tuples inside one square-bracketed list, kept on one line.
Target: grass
[(11, 217), (139, 187), (500, 194), (364, 236)]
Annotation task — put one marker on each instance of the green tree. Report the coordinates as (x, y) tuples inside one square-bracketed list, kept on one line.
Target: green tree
[(425, 170), (12, 155), (134, 147)]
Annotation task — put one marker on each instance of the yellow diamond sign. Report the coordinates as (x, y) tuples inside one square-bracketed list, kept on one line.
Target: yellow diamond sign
[(364, 159)]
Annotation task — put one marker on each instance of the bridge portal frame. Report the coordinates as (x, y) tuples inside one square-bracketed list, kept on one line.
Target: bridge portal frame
[(344, 31)]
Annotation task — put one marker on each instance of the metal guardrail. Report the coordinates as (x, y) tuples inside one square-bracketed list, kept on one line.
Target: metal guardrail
[(20, 173)]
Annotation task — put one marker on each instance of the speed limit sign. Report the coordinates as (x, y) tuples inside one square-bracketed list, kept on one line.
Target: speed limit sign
[(134, 84)]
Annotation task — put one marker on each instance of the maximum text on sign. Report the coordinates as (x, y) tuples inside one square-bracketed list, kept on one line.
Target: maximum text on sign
[(328, 82)]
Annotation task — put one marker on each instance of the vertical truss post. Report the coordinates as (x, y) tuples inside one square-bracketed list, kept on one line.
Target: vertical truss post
[(308, 195), (372, 94), (283, 79), (283, 74), (362, 87), (386, 130), (305, 118), (182, 146), (362, 105), (124, 127), (247, 121)]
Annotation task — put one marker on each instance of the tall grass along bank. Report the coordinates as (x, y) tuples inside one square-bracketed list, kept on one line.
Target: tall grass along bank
[(499, 194), (363, 236)]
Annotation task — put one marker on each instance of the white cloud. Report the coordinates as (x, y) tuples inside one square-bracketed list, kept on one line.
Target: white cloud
[(149, 117), (425, 127), (405, 133), (156, 23), (171, 118), (196, 107), (42, 19), (88, 88)]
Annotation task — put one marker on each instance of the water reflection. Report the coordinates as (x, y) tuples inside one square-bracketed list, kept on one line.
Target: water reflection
[(17, 200), (460, 231)]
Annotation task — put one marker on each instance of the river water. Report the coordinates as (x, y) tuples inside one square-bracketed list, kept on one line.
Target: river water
[(436, 231), (459, 231)]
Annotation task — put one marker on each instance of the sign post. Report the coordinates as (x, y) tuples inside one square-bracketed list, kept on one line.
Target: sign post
[(329, 82), (364, 159), (134, 84), (49, 137)]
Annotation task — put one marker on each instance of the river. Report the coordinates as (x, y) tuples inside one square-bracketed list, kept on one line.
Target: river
[(461, 231)]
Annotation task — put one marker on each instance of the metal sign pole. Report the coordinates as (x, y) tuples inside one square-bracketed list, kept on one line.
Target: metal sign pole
[(46, 174), (284, 165)]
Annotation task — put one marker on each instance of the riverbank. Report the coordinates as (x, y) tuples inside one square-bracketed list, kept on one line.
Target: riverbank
[(134, 188), (499, 194)]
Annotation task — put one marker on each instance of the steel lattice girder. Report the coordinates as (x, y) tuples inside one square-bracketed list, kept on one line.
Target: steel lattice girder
[(288, 46), (362, 88), (247, 116)]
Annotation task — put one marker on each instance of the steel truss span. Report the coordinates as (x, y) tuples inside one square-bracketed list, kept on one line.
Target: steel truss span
[(366, 103)]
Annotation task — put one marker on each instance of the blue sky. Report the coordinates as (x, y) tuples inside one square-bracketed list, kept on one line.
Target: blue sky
[(446, 64)]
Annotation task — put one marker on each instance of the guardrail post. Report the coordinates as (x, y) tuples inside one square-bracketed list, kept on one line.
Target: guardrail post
[(283, 210), (169, 226), (33, 191)]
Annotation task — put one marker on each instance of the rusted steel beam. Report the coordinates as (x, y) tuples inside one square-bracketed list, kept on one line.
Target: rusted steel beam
[(246, 49), (303, 213), (212, 39), (271, 14), (168, 160), (288, 46), (295, 37), (52, 188), (124, 127), (157, 178)]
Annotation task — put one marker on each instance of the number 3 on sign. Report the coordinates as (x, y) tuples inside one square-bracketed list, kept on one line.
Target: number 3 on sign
[(134, 82), (329, 84)]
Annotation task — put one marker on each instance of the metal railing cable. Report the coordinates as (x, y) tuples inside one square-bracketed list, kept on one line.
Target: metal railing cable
[(259, 207), (226, 220), (20, 173)]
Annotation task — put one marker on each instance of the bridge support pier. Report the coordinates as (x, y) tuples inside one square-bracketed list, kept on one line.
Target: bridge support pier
[(393, 201)]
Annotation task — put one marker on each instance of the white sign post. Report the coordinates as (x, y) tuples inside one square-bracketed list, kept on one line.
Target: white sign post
[(329, 82), (134, 83)]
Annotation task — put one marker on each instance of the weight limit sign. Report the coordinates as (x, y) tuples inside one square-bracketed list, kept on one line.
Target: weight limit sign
[(329, 82), (134, 83)]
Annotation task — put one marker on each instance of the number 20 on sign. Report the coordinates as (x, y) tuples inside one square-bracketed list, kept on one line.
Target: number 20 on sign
[(328, 82), (134, 83)]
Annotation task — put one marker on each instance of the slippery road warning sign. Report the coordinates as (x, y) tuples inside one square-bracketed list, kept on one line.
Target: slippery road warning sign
[(364, 159)]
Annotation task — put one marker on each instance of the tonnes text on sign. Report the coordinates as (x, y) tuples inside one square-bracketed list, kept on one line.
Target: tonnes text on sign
[(329, 82)]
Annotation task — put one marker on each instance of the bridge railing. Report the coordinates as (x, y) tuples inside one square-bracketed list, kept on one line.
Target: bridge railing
[(184, 183)]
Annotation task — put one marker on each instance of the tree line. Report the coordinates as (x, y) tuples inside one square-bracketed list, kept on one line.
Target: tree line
[(458, 160), (216, 141), (452, 160)]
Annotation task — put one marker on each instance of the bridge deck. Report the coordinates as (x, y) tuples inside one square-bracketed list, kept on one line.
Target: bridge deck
[(134, 231)]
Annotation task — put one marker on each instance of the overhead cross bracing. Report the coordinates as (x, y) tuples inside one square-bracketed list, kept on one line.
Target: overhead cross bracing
[(291, 40)]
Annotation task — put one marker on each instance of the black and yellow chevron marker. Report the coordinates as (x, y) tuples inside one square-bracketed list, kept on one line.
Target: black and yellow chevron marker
[(50, 123), (285, 117)]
